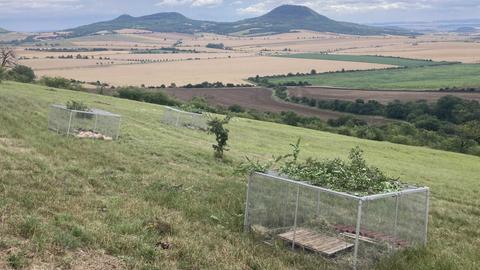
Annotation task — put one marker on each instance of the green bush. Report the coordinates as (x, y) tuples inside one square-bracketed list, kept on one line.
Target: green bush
[(59, 82), (21, 73)]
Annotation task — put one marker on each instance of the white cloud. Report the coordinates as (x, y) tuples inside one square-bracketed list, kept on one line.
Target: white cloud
[(358, 6), (193, 3), (256, 9), (39, 4), (21, 6)]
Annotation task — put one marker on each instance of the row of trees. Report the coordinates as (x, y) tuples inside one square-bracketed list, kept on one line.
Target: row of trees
[(449, 108)]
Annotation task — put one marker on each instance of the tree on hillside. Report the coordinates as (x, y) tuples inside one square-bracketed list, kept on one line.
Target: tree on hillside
[(216, 126), (21, 73), (8, 58)]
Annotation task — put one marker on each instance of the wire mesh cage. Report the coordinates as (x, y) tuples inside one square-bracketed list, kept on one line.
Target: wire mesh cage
[(95, 123), (181, 118), (354, 231)]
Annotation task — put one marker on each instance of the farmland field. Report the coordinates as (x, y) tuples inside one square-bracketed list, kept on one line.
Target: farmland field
[(234, 70), (324, 93), (394, 61), (463, 51), (259, 99), (422, 78), (70, 203)]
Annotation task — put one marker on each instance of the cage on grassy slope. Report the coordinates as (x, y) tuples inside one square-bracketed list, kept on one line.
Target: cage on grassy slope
[(95, 123), (356, 231), (181, 118)]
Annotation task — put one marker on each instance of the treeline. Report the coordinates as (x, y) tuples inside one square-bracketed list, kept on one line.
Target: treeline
[(67, 49), (447, 109), (138, 94), (451, 123), (161, 50), (215, 85)]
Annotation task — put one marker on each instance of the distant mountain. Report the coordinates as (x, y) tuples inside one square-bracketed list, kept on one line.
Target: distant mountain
[(280, 20), (461, 25), (290, 17), (466, 29), (2, 31)]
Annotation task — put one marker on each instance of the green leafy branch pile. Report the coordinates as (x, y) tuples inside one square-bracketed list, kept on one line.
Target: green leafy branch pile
[(352, 176), (77, 106)]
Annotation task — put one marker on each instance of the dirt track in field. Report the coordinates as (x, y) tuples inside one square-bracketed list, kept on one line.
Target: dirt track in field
[(259, 99), (324, 93)]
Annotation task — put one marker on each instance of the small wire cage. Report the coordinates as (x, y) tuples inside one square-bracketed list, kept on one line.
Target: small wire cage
[(354, 231), (179, 118), (95, 124)]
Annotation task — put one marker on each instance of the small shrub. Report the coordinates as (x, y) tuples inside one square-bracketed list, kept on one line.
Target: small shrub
[(216, 126)]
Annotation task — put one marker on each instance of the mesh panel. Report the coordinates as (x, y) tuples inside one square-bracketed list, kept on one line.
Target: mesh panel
[(95, 124), (179, 118), (277, 206)]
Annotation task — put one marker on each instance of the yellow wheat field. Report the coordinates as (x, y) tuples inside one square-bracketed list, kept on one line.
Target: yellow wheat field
[(227, 70)]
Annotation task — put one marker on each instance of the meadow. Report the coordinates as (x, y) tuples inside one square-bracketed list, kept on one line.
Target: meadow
[(72, 203), (421, 78)]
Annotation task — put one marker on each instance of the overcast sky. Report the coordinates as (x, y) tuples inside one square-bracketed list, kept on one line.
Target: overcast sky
[(36, 15)]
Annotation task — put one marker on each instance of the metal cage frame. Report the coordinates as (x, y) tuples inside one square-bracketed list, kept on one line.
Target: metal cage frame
[(360, 201), (66, 127), (179, 118)]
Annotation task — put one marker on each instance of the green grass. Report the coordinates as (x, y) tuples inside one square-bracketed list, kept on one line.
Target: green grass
[(385, 60), (60, 195), (421, 78)]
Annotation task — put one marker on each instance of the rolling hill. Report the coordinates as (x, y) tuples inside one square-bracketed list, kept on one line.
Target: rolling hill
[(88, 204), (280, 20)]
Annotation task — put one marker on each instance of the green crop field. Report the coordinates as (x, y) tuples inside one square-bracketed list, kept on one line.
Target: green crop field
[(62, 198), (421, 78), (385, 60)]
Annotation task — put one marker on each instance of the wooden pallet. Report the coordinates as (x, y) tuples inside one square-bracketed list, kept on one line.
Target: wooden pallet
[(315, 242)]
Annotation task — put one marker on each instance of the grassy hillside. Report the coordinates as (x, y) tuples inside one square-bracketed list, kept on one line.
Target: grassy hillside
[(385, 60), (67, 202), (422, 78)]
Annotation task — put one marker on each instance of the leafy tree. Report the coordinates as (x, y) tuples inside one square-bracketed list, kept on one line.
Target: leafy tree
[(471, 130), (446, 107), (216, 126), (396, 110), (21, 73)]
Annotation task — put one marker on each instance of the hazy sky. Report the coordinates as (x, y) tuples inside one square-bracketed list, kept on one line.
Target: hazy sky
[(34, 15)]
